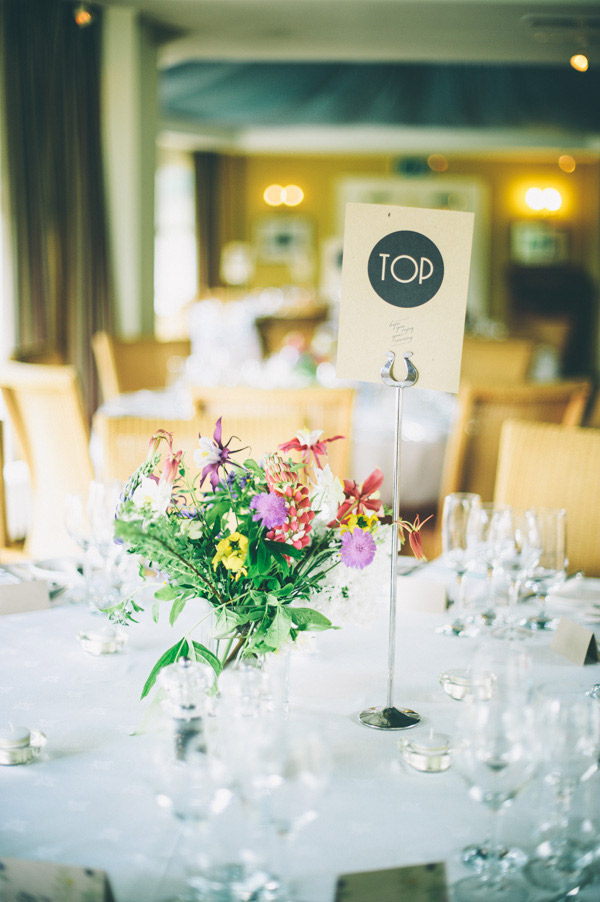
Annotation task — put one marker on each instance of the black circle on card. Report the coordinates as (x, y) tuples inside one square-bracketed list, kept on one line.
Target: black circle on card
[(406, 269)]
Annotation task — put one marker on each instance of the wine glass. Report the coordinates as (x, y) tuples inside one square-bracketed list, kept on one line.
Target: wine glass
[(460, 513), (497, 757), (510, 666), (569, 730), (519, 553), (550, 570), (491, 528)]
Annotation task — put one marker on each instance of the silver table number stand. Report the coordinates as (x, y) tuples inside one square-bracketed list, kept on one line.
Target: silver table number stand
[(390, 717)]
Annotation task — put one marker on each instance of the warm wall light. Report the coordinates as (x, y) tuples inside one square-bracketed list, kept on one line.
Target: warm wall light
[(274, 195), (292, 195), (567, 163), (83, 15), (546, 199), (580, 62), (437, 162)]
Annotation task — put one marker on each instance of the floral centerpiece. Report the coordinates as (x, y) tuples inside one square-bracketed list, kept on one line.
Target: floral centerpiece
[(255, 539)]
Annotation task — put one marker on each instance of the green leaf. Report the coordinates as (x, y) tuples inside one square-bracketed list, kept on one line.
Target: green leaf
[(179, 650), (278, 549), (176, 608), (204, 654), (307, 619), (226, 622), (166, 593), (279, 629), (156, 611)]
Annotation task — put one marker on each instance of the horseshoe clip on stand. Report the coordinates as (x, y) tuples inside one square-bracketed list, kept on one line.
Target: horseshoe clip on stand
[(390, 717)]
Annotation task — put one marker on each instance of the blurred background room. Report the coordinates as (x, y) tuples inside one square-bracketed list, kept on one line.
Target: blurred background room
[(174, 180)]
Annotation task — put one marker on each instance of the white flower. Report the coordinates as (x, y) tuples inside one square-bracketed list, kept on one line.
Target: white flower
[(309, 437), (207, 453), (152, 494), (327, 494), (192, 529)]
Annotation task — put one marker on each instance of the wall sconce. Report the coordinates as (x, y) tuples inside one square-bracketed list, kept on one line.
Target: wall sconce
[(290, 196), (580, 62), (83, 15), (539, 199)]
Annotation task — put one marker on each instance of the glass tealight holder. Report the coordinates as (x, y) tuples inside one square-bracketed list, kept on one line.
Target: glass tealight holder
[(429, 754), (19, 745), (105, 641), (461, 683), (187, 685)]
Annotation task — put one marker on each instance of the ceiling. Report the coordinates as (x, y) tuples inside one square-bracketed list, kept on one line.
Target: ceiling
[(507, 35)]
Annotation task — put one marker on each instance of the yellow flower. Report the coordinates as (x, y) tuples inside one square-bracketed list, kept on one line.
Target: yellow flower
[(360, 521), (231, 552)]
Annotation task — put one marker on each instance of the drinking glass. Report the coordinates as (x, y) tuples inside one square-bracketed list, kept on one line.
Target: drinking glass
[(550, 570), (497, 757), (519, 553), (491, 528), (89, 520), (569, 730), (460, 513)]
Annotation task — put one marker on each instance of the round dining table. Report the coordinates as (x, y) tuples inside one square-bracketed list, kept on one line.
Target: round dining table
[(89, 799)]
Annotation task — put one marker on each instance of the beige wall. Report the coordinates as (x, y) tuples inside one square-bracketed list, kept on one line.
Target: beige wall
[(506, 178)]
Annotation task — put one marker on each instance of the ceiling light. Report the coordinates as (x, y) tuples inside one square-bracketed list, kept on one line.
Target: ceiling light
[(83, 15), (437, 162), (580, 62), (567, 163)]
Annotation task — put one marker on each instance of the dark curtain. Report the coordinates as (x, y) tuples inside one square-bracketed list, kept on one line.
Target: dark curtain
[(51, 84), (220, 210)]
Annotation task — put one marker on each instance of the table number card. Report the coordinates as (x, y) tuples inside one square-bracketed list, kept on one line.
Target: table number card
[(575, 642), (405, 277), (420, 883), (23, 880)]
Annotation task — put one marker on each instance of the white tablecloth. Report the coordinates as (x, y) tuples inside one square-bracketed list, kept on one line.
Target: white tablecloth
[(87, 800)]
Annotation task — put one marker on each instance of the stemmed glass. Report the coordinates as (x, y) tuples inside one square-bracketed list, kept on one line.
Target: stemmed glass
[(491, 528), (497, 757), (569, 729), (550, 570), (460, 513), (89, 520), (519, 553)]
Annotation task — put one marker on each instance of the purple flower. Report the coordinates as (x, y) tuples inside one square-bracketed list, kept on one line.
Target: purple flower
[(358, 548), (270, 508), (213, 455)]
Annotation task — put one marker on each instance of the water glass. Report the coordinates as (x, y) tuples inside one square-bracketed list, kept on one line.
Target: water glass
[(460, 513)]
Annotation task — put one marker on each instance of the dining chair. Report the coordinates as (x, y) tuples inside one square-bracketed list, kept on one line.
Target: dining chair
[(487, 360), (128, 365), (45, 407), (265, 418), (472, 451), (548, 465), (122, 441)]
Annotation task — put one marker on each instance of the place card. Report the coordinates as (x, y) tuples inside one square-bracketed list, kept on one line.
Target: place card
[(29, 595), (418, 883), (405, 278), (421, 595), (51, 882), (575, 642)]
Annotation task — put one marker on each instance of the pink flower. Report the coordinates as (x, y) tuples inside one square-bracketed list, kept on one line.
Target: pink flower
[(310, 442), (358, 548)]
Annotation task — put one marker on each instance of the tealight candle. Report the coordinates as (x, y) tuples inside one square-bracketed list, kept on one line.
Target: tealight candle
[(19, 745), (458, 684), (427, 753), (12, 737), (104, 641)]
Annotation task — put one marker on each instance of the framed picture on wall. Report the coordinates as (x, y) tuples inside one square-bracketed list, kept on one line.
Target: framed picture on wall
[(283, 240)]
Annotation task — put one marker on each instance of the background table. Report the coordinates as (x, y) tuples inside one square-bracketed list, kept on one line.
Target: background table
[(88, 799)]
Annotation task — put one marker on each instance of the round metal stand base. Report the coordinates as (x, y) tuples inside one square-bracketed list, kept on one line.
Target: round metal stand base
[(389, 718)]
